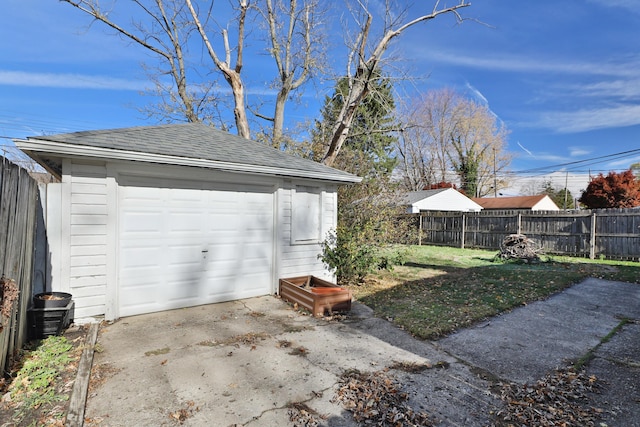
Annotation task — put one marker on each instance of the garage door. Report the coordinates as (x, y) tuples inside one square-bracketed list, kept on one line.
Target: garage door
[(190, 243)]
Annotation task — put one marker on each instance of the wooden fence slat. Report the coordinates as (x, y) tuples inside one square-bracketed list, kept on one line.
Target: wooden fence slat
[(18, 199), (613, 233)]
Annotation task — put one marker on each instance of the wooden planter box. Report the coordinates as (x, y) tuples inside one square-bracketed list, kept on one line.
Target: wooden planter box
[(316, 295)]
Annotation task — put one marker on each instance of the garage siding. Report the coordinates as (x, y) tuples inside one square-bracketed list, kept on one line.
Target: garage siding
[(302, 259), (90, 214), (88, 239)]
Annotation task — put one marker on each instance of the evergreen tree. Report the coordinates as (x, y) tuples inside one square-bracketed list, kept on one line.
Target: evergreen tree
[(368, 150), (559, 196), (367, 212)]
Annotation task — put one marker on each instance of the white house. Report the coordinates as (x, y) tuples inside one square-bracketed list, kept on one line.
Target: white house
[(147, 219), (441, 199), (540, 202)]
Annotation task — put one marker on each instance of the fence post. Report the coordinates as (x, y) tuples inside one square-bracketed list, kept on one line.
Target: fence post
[(464, 226), (519, 223), (420, 229), (592, 238)]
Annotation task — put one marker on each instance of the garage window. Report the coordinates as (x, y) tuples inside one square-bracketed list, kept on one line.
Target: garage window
[(306, 215)]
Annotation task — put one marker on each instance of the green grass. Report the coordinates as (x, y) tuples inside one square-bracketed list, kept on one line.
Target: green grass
[(440, 289), (35, 384)]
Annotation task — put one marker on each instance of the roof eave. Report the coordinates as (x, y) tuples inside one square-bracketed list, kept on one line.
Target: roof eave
[(37, 146)]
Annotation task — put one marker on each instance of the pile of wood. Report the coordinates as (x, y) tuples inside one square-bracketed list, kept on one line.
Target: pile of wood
[(519, 246)]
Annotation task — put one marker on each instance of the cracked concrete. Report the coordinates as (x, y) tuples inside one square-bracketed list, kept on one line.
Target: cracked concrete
[(243, 363)]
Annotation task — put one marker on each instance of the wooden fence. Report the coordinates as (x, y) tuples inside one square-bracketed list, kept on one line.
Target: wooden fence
[(18, 201), (609, 233)]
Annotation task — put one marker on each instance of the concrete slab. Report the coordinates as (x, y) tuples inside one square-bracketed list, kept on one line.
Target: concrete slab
[(244, 362), (617, 365), (526, 343)]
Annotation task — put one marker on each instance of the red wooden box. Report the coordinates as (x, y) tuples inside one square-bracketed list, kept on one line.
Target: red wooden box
[(316, 295)]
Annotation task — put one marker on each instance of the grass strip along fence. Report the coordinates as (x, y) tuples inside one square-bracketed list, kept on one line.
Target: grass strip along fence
[(600, 233)]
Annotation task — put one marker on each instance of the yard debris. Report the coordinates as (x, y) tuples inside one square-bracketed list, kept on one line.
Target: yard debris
[(375, 398), (8, 294), (559, 399), (182, 414), (299, 351), (301, 415), (411, 367), (248, 339), (519, 246), (284, 344)]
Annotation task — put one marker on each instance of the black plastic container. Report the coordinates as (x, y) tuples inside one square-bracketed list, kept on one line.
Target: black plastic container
[(48, 321), (51, 299)]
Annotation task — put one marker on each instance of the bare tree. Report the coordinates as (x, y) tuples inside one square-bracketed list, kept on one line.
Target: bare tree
[(429, 124), (364, 61), (231, 72), (294, 43), (166, 27), (450, 134), (165, 35), (418, 170)]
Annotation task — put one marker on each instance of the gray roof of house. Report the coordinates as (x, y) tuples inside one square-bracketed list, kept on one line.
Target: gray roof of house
[(415, 196), (193, 141)]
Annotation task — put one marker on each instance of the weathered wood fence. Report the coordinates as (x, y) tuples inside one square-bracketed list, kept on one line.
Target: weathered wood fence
[(18, 200), (610, 233)]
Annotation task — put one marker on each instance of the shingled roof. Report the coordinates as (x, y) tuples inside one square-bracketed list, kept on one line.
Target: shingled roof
[(517, 202), (415, 196), (189, 144)]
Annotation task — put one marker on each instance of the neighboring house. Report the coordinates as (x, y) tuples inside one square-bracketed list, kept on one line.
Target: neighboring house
[(441, 199), (541, 202), (147, 219)]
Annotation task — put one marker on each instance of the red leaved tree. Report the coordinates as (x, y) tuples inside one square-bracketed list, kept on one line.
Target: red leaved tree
[(616, 190)]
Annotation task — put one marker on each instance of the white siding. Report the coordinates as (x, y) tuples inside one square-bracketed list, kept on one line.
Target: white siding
[(448, 200), (546, 204), (83, 223), (302, 259), (87, 238)]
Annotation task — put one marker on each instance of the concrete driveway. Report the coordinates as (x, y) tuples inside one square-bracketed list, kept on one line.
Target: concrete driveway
[(245, 362)]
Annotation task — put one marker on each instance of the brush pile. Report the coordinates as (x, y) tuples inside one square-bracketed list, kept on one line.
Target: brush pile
[(520, 247)]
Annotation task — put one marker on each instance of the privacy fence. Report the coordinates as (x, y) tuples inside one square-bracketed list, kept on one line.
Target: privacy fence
[(18, 199), (610, 233)]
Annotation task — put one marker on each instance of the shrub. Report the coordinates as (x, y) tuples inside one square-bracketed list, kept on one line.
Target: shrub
[(346, 252)]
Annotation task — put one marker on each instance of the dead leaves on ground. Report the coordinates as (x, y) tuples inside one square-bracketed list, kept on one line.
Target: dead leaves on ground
[(301, 415), (375, 398), (182, 414), (559, 399)]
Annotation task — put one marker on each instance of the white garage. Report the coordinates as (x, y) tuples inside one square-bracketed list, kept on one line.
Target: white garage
[(154, 218)]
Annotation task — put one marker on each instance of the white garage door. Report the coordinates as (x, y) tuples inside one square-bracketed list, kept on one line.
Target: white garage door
[(190, 243)]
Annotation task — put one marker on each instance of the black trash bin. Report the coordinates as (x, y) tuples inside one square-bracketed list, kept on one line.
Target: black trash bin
[(52, 313)]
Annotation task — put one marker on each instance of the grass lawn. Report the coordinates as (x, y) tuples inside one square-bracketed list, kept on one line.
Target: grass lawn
[(440, 289)]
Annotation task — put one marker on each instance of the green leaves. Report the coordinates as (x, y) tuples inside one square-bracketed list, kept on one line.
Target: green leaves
[(34, 385)]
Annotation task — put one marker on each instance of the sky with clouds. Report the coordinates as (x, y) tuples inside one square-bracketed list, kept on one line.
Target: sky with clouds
[(564, 77)]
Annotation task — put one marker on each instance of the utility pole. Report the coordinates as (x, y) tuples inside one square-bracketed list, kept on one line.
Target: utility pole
[(566, 182), (495, 179)]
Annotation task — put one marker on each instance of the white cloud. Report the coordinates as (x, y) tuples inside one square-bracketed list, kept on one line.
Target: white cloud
[(631, 5), (590, 119), (622, 67), (477, 94), (578, 151), (69, 81)]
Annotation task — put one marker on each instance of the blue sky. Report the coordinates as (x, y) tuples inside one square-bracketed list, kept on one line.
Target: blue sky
[(564, 76)]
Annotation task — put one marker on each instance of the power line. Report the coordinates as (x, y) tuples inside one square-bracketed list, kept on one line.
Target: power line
[(580, 162)]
